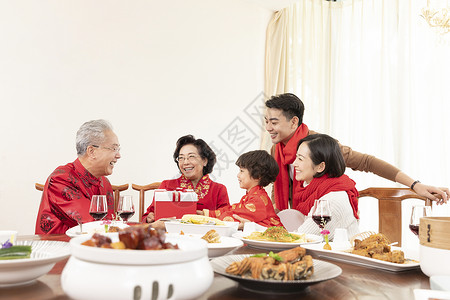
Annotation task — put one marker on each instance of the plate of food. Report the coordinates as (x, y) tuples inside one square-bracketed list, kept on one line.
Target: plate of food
[(26, 261), (288, 271), (217, 245), (197, 224), (96, 227), (373, 251), (276, 238)]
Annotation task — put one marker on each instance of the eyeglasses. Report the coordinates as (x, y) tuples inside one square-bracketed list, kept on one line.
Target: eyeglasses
[(115, 148), (190, 157)]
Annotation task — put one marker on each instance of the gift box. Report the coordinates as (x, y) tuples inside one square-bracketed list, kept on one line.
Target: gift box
[(175, 203)]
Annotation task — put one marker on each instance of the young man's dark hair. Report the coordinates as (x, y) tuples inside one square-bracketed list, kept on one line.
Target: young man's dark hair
[(290, 104)]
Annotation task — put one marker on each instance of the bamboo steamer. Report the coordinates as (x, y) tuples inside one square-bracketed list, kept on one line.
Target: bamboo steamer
[(434, 236), (435, 232)]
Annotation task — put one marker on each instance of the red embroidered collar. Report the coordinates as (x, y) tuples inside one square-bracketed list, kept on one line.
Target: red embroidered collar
[(202, 187)]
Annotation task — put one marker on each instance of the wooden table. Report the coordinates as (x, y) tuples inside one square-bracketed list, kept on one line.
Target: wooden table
[(355, 282)]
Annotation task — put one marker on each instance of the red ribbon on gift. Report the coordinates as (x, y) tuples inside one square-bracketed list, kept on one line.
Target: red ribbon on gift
[(176, 196)]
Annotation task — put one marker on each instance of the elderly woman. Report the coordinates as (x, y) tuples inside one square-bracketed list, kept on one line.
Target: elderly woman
[(195, 160)]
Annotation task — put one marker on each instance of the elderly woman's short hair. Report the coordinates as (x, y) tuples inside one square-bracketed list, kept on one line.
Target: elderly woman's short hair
[(203, 149), (91, 133)]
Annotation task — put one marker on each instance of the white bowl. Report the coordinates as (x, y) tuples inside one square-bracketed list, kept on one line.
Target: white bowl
[(223, 230), (226, 244), (189, 250), (7, 235), (44, 255), (99, 273), (440, 282), (434, 261)]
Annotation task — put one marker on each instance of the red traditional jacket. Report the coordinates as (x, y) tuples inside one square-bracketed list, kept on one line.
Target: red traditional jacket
[(67, 197), (211, 195), (254, 206)]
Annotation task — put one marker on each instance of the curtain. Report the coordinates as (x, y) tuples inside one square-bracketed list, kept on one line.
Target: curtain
[(372, 74)]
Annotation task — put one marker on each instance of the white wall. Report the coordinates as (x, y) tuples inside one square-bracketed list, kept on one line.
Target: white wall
[(156, 70)]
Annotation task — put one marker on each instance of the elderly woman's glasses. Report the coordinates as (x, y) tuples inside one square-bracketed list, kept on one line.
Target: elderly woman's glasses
[(115, 148), (190, 157)]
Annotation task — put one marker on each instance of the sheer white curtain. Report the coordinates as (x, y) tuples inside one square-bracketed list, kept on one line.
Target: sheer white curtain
[(373, 75)]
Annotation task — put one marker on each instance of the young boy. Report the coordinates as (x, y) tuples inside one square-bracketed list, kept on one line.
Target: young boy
[(257, 169)]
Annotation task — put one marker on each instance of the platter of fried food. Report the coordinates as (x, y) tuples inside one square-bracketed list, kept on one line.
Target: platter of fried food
[(373, 251), (283, 272), (217, 245), (276, 238)]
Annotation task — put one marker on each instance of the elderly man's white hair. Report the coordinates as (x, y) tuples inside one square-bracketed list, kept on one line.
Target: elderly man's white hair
[(91, 133)]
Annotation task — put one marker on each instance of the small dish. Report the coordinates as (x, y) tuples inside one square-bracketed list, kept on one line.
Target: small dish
[(312, 239), (440, 283), (175, 226), (226, 244), (93, 227), (44, 255)]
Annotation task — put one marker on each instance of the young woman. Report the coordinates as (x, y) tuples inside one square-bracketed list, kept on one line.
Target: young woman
[(319, 168)]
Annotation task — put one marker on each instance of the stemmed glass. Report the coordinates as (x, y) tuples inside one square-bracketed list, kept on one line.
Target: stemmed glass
[(125, 208), (321, 212), (418, 211), (99, 207)]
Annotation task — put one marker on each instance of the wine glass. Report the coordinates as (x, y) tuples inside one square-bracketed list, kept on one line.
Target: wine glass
[(99, 207), (321, 212), (418, 211), (125, 207)]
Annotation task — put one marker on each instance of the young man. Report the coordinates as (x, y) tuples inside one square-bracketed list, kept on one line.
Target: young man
[(68, 190), (284, 122)]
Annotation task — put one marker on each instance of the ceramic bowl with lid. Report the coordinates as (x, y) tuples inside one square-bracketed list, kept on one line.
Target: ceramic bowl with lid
[(100, 273)]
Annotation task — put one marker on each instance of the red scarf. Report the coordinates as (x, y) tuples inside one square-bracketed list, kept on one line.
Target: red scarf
[(285, 155), (304, 198)]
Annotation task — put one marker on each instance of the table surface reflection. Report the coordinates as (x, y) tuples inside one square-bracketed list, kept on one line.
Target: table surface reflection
[(355, 282)]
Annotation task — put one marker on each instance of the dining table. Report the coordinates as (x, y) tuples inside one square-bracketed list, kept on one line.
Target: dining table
[(355, 282)]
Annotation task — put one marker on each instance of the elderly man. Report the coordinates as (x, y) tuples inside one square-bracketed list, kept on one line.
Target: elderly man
[(68, 190)]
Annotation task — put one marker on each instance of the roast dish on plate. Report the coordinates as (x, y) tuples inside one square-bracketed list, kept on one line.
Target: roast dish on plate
[(277, 234), (377, 246), (211, 237), (142, 237), (286, 265)]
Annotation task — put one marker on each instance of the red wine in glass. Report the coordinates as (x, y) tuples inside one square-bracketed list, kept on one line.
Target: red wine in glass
[(414, 229), (126, 214), (418, 212), (321, 213), (98, 215), (125, 209), (321, 220), (99, 207)]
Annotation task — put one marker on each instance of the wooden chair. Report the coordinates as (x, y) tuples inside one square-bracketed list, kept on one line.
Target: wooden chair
[(39, 187), (390, 209), (116, 190), (142, 189)]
